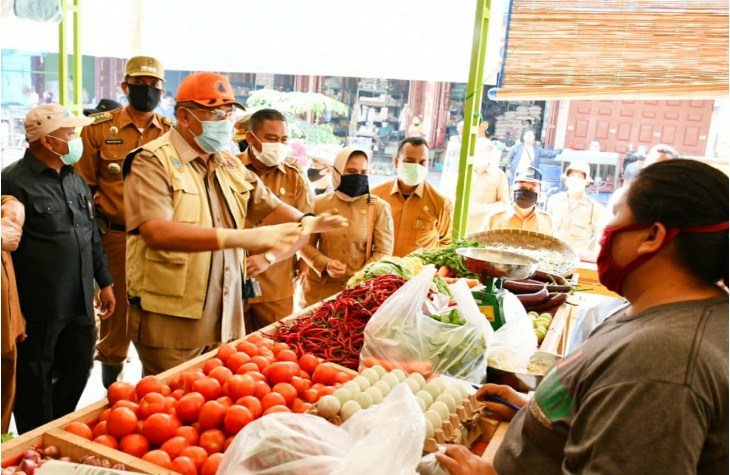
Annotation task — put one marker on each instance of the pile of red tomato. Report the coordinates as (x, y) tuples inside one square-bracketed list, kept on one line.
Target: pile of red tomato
[(187, 425)]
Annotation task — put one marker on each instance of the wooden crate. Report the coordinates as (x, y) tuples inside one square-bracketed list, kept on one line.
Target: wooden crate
[(76, 447)]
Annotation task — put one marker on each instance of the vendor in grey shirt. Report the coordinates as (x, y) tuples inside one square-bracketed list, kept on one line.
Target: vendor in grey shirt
[(648, 390)]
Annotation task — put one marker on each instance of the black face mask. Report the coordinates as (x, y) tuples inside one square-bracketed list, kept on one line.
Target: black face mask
[(354, 185), (315, 174), (525, 198), (144, 98)]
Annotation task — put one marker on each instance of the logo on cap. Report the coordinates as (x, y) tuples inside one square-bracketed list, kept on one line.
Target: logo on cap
[(220, 88)]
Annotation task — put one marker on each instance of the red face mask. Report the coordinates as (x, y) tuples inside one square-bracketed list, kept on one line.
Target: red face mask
[(612, 276)]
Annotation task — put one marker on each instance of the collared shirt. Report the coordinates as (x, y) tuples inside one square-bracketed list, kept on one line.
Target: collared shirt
[(537, 221), (287, 184), (575, 221), (423, 220), (347, 245), (60, 254), (148, 196), (106, 143)]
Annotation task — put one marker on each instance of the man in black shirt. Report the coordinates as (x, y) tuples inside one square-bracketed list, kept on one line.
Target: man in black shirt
[(59, 258)]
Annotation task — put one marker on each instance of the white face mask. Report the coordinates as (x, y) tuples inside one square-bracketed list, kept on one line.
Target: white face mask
[(271, 154), (575, 183)]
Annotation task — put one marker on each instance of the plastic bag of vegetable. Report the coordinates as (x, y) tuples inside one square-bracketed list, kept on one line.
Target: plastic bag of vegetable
[(512, 345), (386, 438), (402, 333)]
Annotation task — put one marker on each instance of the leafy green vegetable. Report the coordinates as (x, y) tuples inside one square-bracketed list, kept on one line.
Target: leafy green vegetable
[(447, 256), (7, 437)]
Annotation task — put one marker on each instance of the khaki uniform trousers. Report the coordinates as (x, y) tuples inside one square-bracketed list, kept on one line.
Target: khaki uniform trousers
[(156, 360), (9, 361), (113, 344), (261, 314)]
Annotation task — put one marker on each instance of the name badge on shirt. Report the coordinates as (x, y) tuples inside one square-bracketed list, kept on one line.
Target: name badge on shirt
[(113, 141)]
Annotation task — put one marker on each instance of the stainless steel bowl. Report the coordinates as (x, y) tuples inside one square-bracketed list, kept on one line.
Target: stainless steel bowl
[(496, 263)]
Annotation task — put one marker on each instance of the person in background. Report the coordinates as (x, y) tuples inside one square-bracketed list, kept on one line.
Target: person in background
[(633, 156), (319, 172), (106, 142), (422, 216), (523, 214), (186, 201), (594, 146), (57, 263), (489, 190), (657, 153), (416, 128), (647, 392), (13, 324), (104, 105), (575, 216), (240, 128), (527, 154), (267, 138), (335, 257), (166, 108)]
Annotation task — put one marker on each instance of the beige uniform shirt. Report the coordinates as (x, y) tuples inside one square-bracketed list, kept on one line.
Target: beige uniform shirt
[(423, 220), (148, 196), (106, 142), (576, 222), (489, 194), (287, 184), (348, 245), (13, 323), (537, 221)]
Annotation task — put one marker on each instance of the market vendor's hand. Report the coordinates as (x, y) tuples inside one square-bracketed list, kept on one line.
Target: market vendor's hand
[(336, 269), (105, 302), (458, 460), (11, 234), (323, 223), (505, 392), (256, 264)]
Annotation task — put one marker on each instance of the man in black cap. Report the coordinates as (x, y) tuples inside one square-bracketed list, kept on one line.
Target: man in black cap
[(524, 213), (104, 105), (106, 142)]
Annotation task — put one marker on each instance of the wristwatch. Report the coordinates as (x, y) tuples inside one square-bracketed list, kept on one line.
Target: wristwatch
[(270, 257)]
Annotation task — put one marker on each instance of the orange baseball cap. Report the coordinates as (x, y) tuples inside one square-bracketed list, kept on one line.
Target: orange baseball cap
[(207, 89)]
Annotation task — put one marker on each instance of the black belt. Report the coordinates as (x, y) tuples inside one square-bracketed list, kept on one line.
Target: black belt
[(115, 226), (135, 301)]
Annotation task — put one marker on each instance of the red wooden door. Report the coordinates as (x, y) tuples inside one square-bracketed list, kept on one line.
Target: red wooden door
[(618, 125)]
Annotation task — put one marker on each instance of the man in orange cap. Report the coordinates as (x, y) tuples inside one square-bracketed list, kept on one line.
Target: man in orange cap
[(106, 142), (186, 200), (58, 261)]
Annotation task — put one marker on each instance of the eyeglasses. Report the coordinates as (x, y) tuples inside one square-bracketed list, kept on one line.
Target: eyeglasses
[(219, 114)]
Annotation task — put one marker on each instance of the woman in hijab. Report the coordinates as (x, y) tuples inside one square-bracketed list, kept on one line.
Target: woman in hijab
[(335, 256)]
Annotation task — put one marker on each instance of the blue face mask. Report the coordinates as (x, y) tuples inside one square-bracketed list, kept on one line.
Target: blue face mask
[(75, 150), (216, 136)]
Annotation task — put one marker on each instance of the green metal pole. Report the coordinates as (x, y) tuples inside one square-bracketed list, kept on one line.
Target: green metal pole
[(472, 113), (70, 12)]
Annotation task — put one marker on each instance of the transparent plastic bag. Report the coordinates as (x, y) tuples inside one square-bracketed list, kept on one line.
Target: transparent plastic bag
[(402, 335), (430, 466), (386, 438), (512, 345)]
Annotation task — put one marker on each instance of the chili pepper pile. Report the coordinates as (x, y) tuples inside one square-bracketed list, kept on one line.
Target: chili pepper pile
[(334, 332)]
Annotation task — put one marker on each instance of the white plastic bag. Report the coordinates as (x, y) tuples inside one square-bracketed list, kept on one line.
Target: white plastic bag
[(402, 335), (386, 438), (512, 345)]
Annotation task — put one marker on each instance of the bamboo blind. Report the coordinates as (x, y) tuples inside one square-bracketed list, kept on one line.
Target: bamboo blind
[(615, 49)]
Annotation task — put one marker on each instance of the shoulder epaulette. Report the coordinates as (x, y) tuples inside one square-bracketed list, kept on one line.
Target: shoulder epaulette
[(100, 117), (167, 121)]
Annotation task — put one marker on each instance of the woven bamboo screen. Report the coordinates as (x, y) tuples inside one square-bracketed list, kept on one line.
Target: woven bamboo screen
[(563, 49)]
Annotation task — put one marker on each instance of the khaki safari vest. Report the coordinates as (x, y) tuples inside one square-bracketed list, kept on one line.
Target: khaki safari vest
[(173, 282)]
